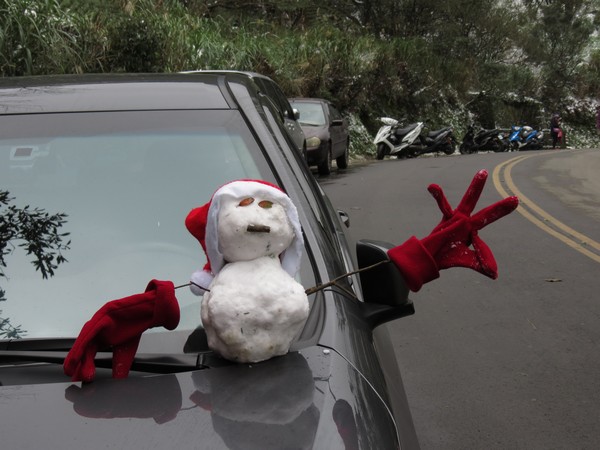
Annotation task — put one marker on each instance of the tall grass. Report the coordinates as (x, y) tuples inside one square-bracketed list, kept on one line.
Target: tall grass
[(367, 75), (37, 36)]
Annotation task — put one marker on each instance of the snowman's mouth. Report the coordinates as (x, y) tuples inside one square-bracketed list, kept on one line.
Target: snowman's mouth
[(258, 229)]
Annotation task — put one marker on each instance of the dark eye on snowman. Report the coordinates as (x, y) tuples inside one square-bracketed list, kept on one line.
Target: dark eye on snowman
[(247, 201), (266, 204)]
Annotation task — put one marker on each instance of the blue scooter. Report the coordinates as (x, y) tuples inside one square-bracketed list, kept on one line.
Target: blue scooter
[(525, 138)]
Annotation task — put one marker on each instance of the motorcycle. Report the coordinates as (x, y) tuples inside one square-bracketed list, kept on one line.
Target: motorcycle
[(525, 138), (441, 140), (491, 139), (394, 140)]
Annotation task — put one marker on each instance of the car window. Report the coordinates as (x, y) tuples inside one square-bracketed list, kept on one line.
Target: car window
[(278, 97), (335, 114), (310, 113), (126, 181)]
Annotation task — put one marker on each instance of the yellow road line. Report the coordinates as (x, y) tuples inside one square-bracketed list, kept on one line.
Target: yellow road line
[(569, 236)]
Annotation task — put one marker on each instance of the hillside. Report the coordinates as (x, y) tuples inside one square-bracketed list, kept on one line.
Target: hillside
[(490, 62)]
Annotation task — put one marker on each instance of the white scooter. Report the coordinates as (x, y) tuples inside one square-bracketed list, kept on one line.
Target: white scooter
[(393, 140)]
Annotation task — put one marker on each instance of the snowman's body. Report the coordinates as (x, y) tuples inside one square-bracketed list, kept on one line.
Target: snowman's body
[(254, 310), (254, 307)]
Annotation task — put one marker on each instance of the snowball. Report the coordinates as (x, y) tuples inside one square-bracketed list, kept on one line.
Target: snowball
[(254, 310)]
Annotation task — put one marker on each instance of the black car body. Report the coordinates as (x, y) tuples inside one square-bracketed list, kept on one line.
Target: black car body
[(326, 132), (126, 157)]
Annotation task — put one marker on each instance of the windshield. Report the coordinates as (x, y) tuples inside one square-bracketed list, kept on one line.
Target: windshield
[(125, 181), (310, 113)]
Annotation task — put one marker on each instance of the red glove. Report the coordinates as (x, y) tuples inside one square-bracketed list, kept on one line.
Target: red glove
[(454, 242), (119, 325)]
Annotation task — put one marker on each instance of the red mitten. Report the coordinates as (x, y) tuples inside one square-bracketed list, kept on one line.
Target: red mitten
[(119, 325), (454, 242)]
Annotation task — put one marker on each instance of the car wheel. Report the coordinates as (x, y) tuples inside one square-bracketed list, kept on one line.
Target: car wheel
[(325, 166), (342, 161), (380, 151)]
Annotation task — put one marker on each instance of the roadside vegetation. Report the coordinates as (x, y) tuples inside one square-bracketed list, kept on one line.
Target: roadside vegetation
[(490, 62)]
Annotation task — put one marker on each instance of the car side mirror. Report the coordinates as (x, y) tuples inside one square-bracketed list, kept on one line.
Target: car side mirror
[(296, 114), (344, 217), (385, 292)]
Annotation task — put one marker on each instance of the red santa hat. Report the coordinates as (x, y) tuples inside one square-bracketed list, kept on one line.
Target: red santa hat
[(202, 223)]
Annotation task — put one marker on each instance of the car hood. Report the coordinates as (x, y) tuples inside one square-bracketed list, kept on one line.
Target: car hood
[(320, 131), (307, 399)]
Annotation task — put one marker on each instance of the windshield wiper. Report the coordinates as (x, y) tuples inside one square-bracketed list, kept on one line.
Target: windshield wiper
[(37, 344), (152, 362), (54, 351)]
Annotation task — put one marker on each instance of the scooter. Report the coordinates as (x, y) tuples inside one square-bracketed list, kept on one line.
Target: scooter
[(394, 140), (441, 140), (482, 140), (525, 138)]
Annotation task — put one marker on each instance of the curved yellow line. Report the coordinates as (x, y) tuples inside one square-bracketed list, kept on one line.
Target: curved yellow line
[(584, 241)]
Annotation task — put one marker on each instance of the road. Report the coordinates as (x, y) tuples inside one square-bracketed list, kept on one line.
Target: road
[(507, 364)]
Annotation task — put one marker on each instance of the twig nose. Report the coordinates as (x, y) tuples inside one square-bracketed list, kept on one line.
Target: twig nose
[(258, 229)]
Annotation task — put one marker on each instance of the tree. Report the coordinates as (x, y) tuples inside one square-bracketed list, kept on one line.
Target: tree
[(36, 232), (556, 44)]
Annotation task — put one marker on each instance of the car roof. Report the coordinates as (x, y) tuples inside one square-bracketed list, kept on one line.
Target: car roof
[(113, 92), (245, 73)]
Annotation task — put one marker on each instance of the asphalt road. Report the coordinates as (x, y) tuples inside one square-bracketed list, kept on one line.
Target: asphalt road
[(512, 363)]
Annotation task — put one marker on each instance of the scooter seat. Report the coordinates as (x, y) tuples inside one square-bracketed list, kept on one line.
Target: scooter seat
[(407, 129), (436, 133), (488, 132)]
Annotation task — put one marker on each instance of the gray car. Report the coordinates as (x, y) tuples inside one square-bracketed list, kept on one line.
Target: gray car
[(125, 158), (326, 132)]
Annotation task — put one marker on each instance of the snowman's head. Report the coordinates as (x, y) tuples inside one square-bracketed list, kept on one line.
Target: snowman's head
[(233, 226), (252, 226)]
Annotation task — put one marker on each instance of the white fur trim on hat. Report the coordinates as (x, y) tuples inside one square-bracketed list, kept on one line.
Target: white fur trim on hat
[(201, 280)]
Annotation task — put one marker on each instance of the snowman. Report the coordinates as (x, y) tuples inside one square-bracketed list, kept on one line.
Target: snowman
[(252, 307)]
